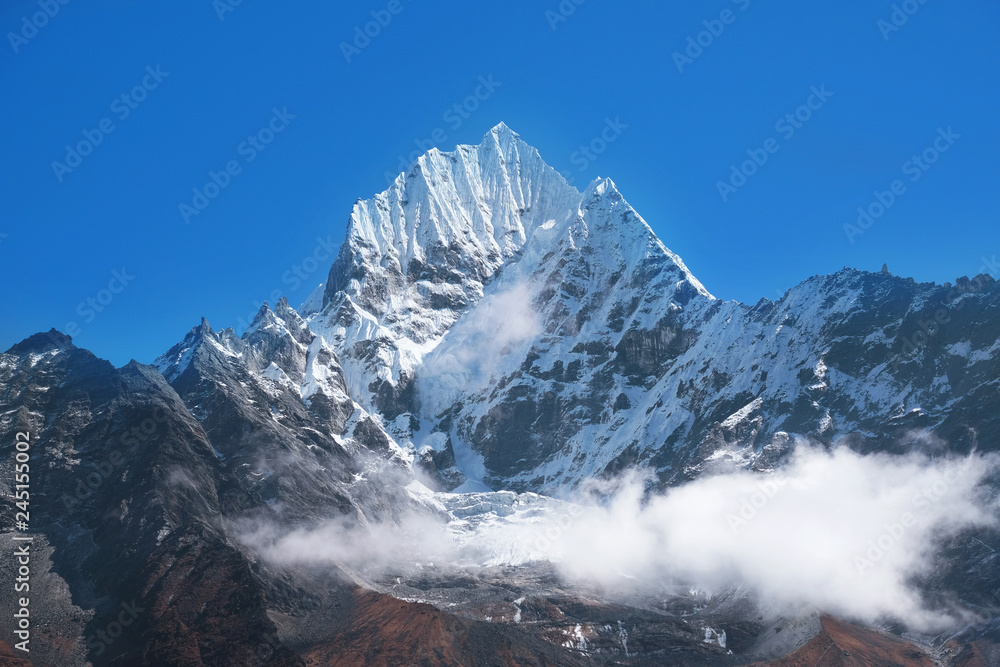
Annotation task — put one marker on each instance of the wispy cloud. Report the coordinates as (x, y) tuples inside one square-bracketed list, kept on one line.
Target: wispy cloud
[(500, 325), (833, 530), (838, 531)]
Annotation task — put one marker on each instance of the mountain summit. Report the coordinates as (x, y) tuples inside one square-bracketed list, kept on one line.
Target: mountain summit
[(536, 336), (427, 250), (385, 475)]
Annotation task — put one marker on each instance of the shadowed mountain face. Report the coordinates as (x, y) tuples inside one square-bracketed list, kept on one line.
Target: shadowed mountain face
[(548, 336), (487, 328), (126, 488)]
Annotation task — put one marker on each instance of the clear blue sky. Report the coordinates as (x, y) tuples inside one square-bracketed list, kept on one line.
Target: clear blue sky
[(119, 207)]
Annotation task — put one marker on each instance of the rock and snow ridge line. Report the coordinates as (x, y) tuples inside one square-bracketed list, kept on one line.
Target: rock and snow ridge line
[(526, 335), (420, 254)]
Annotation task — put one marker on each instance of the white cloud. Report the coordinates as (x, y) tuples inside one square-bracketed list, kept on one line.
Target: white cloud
[(833, 530), (502, 325)]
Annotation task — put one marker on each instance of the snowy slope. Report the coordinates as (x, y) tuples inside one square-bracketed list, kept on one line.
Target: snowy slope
[(513, 331), (492, 327), (418, 254), (487, 341), (275, 404)]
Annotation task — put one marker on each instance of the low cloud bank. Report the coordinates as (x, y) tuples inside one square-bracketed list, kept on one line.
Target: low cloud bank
[(832, 530)]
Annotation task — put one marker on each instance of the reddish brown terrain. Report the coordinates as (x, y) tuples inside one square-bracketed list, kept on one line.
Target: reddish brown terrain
[(11, 658), (386, 632), (980, 653), (842, 644)]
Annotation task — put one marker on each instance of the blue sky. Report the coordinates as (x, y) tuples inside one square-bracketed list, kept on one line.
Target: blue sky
[(219, 73)]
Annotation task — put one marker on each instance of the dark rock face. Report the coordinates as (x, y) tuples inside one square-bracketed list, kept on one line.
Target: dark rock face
[(643, 353), (133, 503), (275, 405), (481, 314), (859, 357), (205, 607), (394, 398), (121, 473)]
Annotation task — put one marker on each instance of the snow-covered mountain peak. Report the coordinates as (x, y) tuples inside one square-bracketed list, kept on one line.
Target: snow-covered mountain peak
[(314, 302), (624, 233), (282, 321), (599, 187), (426, 250), (502, 133), (476, 204)]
